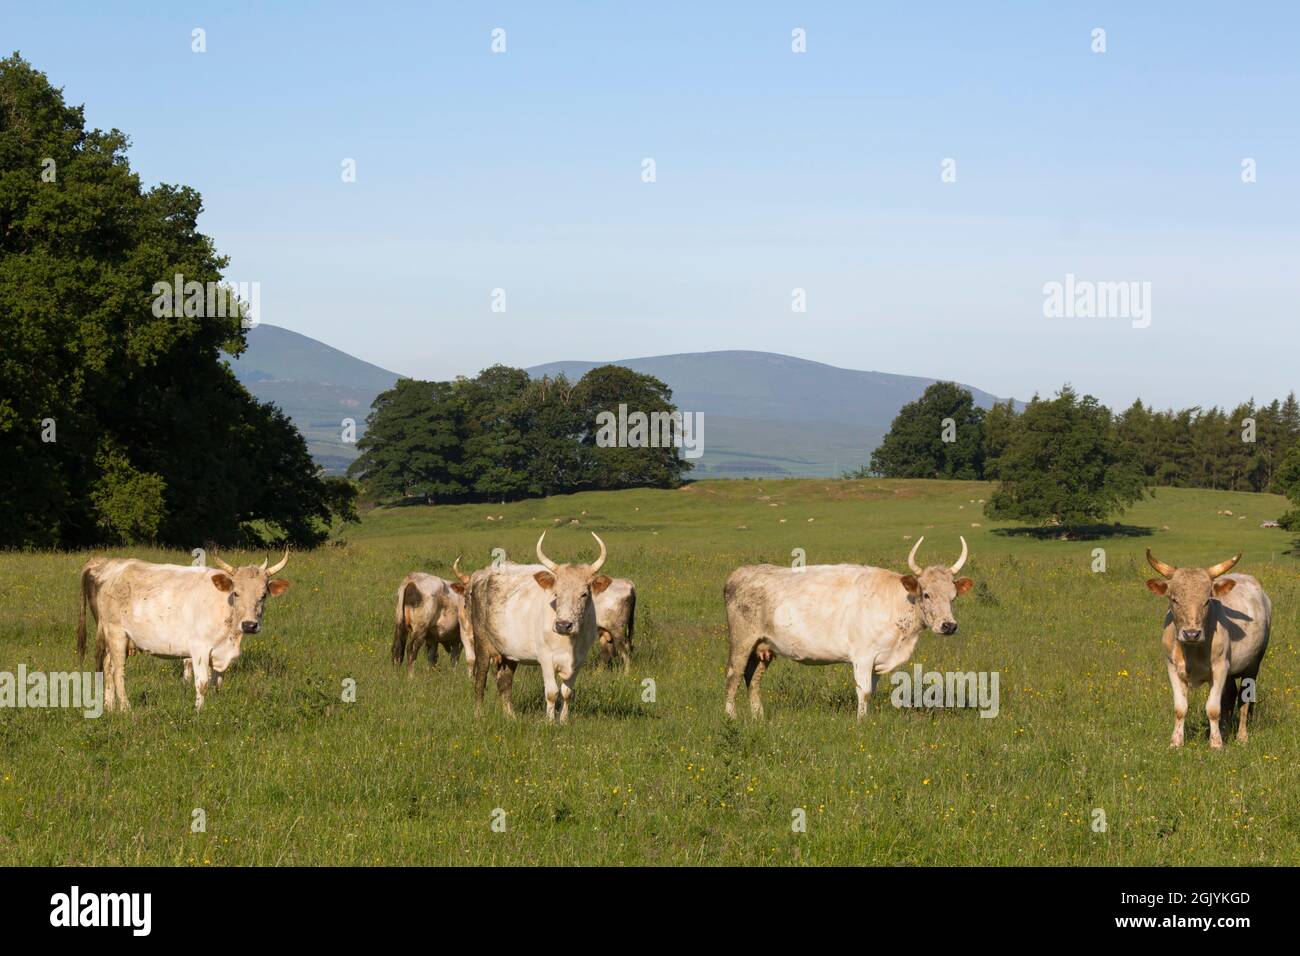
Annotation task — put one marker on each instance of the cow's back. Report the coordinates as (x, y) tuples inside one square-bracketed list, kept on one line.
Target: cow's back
[(818, 613), (508, 609), (1247, 614), (159, 606)]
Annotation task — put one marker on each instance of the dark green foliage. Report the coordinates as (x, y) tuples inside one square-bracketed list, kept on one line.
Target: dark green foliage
[(153, 439), (940, 435), (502, 436), (1065, 464)]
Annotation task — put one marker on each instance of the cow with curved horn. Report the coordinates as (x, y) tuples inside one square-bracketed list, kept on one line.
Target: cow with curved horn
[(541, 614), (835, 614), (196, 613), (1215, 632)]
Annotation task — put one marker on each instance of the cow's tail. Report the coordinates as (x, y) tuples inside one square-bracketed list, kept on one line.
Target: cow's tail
[(408, 599), (87, 584), (631, 615)]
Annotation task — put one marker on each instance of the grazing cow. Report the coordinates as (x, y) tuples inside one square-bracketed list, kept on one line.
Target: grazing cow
[(541, 614), (196, 613), (1216, 630), (615, 617), (428, 614), (834, 614)]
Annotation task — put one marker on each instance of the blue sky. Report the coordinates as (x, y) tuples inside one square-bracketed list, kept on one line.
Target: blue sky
[(775, 171)]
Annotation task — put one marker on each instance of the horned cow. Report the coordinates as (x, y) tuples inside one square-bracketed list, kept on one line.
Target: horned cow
[(169, 610), (1215, 631), (834, 614), (540, 614)]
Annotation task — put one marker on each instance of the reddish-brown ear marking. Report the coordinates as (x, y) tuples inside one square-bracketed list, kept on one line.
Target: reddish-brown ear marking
[(1156, 586), (1223, 587), (458, 587), (278, 586), (963, 585), (910, 584), (600, 582), (223, 583), (544, 579)]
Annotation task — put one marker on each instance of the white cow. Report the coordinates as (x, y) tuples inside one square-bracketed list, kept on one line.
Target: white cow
[(428, 612), (171, 610), (539, 614), (834, 614), (615, 619)]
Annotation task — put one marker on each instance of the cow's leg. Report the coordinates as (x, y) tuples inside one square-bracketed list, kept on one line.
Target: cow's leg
[(104, 663), (116, 659), (467, 645), (1228, 703), (754, 671), (1245, 704), (188, 675), (1179, 685), (480, 680), (551, 684), (626, 654), (506, 685), (413, 646), (864, 676), (433, 652), (567, 676), (741, 661), (202, 674), (453, 653), (1214, 700)]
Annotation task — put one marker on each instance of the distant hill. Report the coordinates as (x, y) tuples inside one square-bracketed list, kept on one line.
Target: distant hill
[(771, 414), (764, 414), (316, 385)]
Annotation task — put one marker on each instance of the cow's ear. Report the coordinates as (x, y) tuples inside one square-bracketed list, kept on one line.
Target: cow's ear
[(223, 583), (910, 584), (1156, 586), (600, 582), (1223, 587), (458, 587), (277, 586), (963, 585), (544, 579)]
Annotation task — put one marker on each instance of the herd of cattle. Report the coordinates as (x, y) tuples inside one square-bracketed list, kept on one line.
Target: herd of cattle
[(552, 615)]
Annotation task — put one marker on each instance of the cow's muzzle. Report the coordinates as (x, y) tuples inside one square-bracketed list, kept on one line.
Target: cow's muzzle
[(948, 627), (250, 627), (1190, 636), (563, 627)]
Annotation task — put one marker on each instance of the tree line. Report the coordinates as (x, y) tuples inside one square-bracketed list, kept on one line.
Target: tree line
[(1070, 460), (118, 424), (504, 435)]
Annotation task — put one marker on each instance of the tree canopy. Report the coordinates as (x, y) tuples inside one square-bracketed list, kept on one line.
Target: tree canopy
[(119, 420), (940, 435), (503, 435)]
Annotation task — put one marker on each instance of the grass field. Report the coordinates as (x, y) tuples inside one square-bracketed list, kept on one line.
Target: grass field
[(287, 772)]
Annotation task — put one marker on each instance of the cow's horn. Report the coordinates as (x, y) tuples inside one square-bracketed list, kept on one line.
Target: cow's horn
[(911, 556), (1165, 569), (222, 564), (455, 566), (962, 560), (603, 553), (277, 568), (541, 555), (1223, 567)]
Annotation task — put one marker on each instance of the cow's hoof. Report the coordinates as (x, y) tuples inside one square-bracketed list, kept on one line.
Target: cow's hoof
[(1175, 742), (1216, 744)]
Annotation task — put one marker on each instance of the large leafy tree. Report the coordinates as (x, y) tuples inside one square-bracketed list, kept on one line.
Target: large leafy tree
[(600, 393), (1065, 465), (118, 419), (940, 435)]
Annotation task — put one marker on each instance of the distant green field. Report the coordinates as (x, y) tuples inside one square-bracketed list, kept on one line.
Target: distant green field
[(286, 772)]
